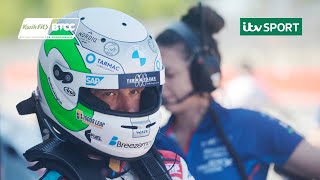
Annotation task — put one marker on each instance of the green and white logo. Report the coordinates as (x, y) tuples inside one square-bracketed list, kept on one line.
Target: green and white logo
[(39, 28), (271, 26)]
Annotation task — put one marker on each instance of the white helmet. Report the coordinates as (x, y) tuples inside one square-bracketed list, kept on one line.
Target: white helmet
[(111, 50)]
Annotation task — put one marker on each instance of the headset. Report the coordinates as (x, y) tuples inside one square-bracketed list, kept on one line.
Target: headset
[(204, 66)]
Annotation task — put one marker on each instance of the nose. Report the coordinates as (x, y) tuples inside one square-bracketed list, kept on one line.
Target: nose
[(127, 104)]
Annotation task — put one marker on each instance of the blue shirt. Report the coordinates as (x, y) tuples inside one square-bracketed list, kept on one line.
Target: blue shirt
[(258, 139)]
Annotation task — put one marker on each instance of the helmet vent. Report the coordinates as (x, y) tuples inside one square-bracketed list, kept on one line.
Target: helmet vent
[(124, 24)]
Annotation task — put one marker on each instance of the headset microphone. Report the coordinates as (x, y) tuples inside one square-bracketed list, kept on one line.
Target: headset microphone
[(179, 100)]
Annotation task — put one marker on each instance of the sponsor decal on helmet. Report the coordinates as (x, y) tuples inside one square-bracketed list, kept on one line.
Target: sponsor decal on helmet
[(64, 117), (89, 135), (93, 80), (152, 46), (108, 65), (54, 93), (88, 120), (90, 58), (138, 55), (140, 132), (69, 91), (157, 65), (111, 49), (113, 141), (139, 80), (142, 128), (87, 37), (116, 142), (39, 28)]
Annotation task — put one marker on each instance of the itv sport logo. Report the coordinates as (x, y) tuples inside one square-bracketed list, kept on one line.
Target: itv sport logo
[(271, 26)]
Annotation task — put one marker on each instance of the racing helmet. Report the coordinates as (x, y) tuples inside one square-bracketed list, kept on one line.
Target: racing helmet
[(110, 50)]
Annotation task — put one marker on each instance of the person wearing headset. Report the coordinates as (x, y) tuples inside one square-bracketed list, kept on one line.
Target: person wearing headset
[(216, 142), (98, 100)]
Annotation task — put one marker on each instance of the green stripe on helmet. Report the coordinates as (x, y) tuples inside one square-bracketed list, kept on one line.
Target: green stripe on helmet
[(68, 49), (67, 118)]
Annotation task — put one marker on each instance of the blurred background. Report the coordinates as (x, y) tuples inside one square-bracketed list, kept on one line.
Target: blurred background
[(279, 75)]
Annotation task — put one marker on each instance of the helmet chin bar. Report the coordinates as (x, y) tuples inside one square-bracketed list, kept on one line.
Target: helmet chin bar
[(51, 130)]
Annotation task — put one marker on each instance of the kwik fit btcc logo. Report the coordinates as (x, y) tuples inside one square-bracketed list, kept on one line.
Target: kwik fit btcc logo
[(88, 120), (271, 26), (39, 28), (116, 142)]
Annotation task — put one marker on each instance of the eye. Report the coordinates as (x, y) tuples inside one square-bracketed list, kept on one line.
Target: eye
[(109, 93), (134, 91)]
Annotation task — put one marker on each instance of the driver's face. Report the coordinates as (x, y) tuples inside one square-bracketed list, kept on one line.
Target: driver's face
[(125, 100)]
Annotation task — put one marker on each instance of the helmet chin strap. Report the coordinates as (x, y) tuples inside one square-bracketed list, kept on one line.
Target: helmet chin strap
[(179, 100)]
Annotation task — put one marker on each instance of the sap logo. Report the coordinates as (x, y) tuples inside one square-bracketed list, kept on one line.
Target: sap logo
[(93, 80), (64, 26), (113, 141)]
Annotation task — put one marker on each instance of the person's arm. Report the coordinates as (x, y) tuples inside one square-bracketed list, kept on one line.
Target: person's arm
[(305, 160), (278, 143), (313, 137)]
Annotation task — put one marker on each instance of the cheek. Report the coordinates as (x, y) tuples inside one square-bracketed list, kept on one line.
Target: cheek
[(135, 101), (178, 86)]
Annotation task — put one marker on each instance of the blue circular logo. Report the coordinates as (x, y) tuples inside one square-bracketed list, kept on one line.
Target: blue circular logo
[(158, 65), (90, 58), (140, 56)]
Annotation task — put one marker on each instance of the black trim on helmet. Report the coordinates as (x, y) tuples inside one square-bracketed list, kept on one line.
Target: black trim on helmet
[(150, 102)]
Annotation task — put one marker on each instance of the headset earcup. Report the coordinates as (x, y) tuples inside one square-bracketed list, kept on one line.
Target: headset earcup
[(200, 77)]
